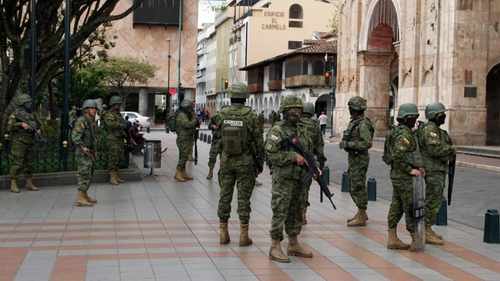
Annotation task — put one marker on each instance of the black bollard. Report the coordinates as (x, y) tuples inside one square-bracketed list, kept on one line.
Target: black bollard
[(200, 136), (204, 138), (442, 215), (209, 139), (372, 189), (345, 182), (491, 227)]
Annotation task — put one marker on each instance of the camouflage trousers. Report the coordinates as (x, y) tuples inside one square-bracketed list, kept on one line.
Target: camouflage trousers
[(21, 158), (358, 166), (287, 202), (85, 171), (185, 148), (434, 186), (402, 203), (243, 178), (214, 151), (116, 150)]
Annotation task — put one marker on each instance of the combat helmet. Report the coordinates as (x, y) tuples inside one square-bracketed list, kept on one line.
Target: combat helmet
[(407, 110), (115, 100), (186, 103), (291, 102), (238, 91), (22, 99), (431, 110), (89, 104), (309, 108), (357, 103)]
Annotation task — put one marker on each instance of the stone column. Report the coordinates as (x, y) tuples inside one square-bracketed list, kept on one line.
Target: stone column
[(143, 102)]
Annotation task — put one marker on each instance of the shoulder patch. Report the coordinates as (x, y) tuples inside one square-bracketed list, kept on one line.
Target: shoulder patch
[(274, 137)]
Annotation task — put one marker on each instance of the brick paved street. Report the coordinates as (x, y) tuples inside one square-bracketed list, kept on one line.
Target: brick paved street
[(158, 229)]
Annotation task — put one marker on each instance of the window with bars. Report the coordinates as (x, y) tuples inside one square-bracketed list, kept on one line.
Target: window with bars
[(294, 45)]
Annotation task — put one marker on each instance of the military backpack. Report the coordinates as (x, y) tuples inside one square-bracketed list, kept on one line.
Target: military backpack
[(234, 128)]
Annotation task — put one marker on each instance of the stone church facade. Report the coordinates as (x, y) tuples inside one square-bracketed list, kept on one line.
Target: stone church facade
[(421, 51)]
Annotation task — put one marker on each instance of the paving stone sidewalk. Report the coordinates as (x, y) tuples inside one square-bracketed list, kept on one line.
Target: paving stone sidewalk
[(162, 230)]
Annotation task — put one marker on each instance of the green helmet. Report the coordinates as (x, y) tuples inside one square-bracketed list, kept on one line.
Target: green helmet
[(115, 100), (357, 103), (89, 104), (186, 103), (431, 110), (238, 91), (408, 109), (309, 108), (22, 99), (291, 102)]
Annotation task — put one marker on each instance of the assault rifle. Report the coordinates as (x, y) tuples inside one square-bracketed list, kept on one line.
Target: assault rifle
[(33, 126), (313, 170), (90, 153), (451, 176)]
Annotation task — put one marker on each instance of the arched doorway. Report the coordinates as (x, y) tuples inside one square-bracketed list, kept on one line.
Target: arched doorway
[(379, 64), (493, 106), (322, 105)]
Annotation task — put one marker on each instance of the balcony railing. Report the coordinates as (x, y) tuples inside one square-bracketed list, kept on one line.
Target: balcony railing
[(275, 85), (305, 81)]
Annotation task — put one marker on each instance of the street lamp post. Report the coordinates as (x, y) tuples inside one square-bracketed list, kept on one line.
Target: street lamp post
[(33, 42), (180, 96), (332, 98), (67, 77)]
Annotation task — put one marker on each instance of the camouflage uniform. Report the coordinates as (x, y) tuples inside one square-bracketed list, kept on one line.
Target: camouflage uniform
[(260, 123), (22, 141), (356, 141), (436, 148), (214, 146), (288, 193), (84, 137), (185, 127), (116, 137)]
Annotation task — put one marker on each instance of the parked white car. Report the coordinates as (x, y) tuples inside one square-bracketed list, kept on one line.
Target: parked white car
[(144, 121)]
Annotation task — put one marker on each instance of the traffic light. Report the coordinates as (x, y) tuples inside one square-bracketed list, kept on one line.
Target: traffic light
[(226, 84)]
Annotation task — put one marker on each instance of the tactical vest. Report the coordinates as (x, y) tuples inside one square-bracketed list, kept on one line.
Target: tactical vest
[(234, 128), (388, 143)]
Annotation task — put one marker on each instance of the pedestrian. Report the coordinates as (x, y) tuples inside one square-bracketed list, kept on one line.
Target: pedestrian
[(437, 149), (116, 138), (22, 127), (185, 127), (356, 141), (323, 119), (84, 137), (215, 145), (288, 170), (242, 159), (401, 152), (316, 145)]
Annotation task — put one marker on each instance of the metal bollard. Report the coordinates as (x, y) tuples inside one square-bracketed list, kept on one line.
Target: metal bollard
[(372, 189), (345, 182), (209, 139), (442, 215), (200, 136), (491, 227), (204, 138)]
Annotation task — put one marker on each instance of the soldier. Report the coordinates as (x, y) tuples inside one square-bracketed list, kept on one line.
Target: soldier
[(401, 152), (116, 138), (260, 125), (316, 144), (437, 149), (288, 193), (85, 139), (22, 127), (356, 141), (214, 146), (241, 161), (185, 124)]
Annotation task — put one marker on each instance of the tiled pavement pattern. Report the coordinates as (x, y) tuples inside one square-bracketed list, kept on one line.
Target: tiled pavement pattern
[(161, 230)]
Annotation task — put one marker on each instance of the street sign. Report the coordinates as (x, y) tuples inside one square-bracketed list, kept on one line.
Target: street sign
[(172, 91)]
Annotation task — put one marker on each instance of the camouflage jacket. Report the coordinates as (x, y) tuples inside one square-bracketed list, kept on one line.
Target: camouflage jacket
[(436, 147), (185, 125), (358, 136), (114, 124), (16, 131), (281, 157), (312, 133), (215, 121), (405, 154), (84, 133)]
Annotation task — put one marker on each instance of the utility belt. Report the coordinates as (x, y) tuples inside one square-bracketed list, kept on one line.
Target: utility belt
[(357, 152)]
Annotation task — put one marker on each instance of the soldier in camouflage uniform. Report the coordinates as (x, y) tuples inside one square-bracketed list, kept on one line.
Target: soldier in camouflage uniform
[(260, 124), (116, 138), (311, 129), (356, 141), (21, 128), (241, 161), (214, 146), (85, 139), (437, 149), (401, 151), (185, 124), (288, 170)]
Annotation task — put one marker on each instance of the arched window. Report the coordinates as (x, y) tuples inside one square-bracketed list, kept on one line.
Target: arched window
[(296, 12)]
